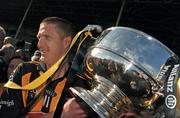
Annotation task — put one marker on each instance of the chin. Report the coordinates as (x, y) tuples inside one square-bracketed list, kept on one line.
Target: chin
[(48, 63)]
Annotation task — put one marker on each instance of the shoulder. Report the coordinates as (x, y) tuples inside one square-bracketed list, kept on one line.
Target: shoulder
[(30, 63), (27, 68)]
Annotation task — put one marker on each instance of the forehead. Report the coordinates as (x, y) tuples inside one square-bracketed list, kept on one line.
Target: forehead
[(47, 27), (50, 29)]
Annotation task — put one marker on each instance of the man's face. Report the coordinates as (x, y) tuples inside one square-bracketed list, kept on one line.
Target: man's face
[(50, 43)]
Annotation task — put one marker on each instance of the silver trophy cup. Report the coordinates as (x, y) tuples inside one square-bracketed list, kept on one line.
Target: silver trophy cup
[(125, 66)]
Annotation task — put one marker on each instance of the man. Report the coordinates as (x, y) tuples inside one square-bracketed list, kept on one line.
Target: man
[(6, 53), (54, 39), (13, 63), (9, 39)]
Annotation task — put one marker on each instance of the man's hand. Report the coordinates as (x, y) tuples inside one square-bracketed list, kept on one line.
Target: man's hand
[(96, 28), (72, 109), (39, 115)]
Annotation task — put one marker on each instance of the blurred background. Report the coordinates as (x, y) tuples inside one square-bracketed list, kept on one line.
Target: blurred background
[(158, 18)]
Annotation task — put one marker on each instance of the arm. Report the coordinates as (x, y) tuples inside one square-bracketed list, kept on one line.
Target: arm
[(72, 109)]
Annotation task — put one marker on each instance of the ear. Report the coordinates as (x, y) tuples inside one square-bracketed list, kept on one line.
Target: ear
[(67, 42)]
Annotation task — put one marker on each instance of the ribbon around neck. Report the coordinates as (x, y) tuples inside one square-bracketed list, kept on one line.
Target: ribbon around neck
[(44, 77)]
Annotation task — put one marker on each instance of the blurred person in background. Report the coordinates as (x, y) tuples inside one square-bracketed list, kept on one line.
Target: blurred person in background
[(22, 54), (6, 52), (10, 40), (13, 63), (2, 35)]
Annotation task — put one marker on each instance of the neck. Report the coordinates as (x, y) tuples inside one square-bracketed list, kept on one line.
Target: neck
[(61, 71)]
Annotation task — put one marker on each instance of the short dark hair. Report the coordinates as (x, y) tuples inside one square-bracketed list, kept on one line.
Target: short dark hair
[(65, 27)]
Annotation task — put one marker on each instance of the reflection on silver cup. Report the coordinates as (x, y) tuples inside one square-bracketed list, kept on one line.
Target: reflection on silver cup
[(126, 67)]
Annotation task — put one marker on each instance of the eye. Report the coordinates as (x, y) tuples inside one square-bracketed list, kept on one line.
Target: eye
[(46, 37)]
